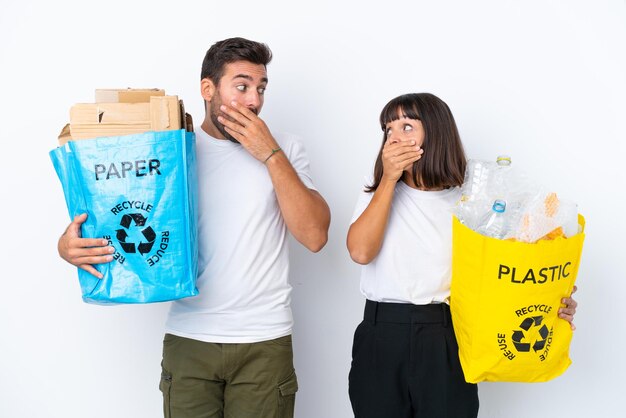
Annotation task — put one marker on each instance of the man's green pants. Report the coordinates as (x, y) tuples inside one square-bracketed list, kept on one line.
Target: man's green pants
[(212, 380)]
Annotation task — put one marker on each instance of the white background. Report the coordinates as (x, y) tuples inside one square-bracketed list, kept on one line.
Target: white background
[(543, 81)]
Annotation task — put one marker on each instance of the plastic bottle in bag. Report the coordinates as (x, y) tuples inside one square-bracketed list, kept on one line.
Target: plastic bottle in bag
[(500, 178), (494, 223), (477, 176), (484, 182), (474, 192)]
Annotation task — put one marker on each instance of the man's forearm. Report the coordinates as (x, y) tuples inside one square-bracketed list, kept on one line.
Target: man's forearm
[(305, 212)]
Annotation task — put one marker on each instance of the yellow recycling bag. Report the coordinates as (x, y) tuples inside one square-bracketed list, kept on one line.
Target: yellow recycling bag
[(504, 301)]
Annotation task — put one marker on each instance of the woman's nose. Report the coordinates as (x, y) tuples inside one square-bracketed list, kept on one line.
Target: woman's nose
[(393, 137)]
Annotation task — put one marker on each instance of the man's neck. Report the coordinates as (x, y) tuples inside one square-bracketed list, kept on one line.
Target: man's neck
[(208, 127)]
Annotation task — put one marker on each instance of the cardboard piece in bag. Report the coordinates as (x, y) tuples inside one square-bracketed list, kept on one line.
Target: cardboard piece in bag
[(92, 120), (127, 95), (165, 113), (124, 112)]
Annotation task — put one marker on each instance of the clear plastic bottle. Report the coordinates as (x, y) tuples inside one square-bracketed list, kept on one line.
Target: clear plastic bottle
[(494, 223), (477, 175), (474, 192), (500, 178)]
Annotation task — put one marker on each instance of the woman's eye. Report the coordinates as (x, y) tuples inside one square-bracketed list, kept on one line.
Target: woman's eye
[(242, 88), (388, 131), (407, 128), (261, 90)]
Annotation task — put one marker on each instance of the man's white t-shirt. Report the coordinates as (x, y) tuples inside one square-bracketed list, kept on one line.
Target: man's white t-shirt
[(414, 264), (243, 266)]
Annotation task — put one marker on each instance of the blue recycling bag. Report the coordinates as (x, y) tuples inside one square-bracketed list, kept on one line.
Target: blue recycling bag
[(139, 192)]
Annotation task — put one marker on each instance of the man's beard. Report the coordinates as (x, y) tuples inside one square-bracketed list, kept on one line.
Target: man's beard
[(214, 107)]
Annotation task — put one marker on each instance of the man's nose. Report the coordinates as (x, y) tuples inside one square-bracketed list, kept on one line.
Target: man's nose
[(253, 101)]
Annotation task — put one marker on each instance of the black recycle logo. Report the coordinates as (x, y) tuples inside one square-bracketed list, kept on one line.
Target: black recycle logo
[(147, 232), (522, 337)]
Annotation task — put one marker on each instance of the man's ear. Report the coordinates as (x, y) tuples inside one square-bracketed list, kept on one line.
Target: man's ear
[(207, 89)]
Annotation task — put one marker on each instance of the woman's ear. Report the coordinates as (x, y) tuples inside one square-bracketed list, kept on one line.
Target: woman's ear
[(207, 89)]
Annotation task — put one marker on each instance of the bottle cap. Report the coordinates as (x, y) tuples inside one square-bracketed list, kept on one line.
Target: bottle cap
[(503, 160), (499, 206)]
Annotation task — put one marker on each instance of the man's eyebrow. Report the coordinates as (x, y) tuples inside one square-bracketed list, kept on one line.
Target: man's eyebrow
[(247, 77)]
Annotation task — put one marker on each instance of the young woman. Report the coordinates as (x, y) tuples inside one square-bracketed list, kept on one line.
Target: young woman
[(405, 357)]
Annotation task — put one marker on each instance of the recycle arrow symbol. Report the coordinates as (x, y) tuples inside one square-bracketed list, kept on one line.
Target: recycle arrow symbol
[(121, 236), (150, 235), (517, 338), (540, 344), (137, 217), (529, 322)]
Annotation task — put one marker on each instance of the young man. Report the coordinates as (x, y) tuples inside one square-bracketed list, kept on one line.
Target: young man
[(227, 352)]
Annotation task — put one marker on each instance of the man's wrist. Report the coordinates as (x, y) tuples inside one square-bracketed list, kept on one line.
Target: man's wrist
[(272, 153)]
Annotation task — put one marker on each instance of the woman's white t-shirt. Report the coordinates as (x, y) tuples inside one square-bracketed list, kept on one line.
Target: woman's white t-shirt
[(415, 261)]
